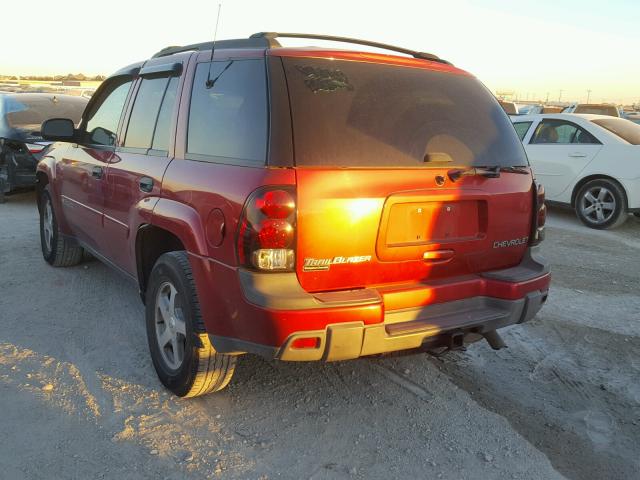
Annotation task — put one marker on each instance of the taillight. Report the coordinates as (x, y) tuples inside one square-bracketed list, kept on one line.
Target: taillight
[(266, 237), (540, 215), (34, 147)]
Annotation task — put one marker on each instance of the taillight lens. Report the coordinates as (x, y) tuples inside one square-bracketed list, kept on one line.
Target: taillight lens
[(34, 147), (266, 238), (540, 215)]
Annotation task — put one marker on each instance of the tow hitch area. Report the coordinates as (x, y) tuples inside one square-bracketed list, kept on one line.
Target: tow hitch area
[(494, 340), (444, 344)]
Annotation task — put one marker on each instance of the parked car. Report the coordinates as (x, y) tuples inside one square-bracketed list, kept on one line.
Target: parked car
[(587, 161), (21, 144), (593, 109), (633, 116), (551, 109), (529, 109), (401, 215), (509, 107)]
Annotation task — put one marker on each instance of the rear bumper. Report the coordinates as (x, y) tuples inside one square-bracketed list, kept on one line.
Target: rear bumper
[(356, 323), (409, 329)]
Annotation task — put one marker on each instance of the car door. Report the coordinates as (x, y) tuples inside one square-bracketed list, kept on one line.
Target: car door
[(134, 174), (82, 166), (558, 151)]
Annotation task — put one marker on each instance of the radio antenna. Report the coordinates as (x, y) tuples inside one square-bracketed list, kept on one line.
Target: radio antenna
[(210, 82)]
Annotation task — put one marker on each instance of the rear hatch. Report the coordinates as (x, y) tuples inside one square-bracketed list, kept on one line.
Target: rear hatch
[(404, 174)]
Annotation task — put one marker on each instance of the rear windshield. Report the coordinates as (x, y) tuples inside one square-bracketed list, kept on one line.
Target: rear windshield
[(625, 129), (597, 110), (28, 112), (370, 115)]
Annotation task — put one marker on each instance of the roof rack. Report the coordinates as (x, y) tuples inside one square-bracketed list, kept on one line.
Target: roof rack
[(268, 40), (251, 42), (271, 36)]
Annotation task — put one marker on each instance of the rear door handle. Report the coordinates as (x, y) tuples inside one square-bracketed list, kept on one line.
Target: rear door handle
[(577, 154), (145, 184), (96, 172)]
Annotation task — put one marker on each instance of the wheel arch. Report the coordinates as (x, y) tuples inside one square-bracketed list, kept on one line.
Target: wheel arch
[(152, 242), (596, 176)]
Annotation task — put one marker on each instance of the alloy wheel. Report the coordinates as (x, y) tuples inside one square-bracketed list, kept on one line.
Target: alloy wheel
[(47, 225), (598, 205), (170, 326)]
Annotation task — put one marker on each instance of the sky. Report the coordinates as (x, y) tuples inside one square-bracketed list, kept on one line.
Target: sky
[(535, 48)]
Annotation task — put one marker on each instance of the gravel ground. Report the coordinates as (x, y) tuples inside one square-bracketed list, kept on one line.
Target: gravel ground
[(79, 397)]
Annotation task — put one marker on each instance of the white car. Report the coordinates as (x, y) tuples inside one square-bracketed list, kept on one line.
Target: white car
[(593, 109), (591, 162)]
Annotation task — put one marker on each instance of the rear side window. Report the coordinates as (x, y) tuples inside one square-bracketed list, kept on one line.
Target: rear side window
[(360, 114), (163, 125), (228, 120), (151, 114), (522, 128)]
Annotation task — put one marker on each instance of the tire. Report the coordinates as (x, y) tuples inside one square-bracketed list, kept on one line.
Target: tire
[(184, 359), (601, 204), (637, 214), (57, 250)]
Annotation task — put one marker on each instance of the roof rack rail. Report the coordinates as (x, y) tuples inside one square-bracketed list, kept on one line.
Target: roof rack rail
[(251, 42), (268, 40), (271, 36)]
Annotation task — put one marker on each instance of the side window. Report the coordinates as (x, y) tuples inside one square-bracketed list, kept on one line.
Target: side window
[(162, 133), (585, 137), (102, 121), (561, 132), (228, 121), (554, 131), (522, 128), (151, 114)]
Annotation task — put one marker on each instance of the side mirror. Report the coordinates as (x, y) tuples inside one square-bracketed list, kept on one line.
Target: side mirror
[(58, 129), (102, 136)]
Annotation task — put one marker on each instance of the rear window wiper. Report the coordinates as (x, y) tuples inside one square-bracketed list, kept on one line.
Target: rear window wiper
[(484, 171)]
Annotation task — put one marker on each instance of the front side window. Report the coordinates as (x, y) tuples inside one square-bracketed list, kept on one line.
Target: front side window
[(151, 114), (521, 129), (561, 132), (228, 120), (102, 120)]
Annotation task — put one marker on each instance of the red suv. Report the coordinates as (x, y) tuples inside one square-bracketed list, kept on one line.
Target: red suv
[(298, 203)]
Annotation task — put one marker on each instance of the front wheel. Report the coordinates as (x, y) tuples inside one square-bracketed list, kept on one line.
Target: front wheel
[(601, 204), (182, 354)]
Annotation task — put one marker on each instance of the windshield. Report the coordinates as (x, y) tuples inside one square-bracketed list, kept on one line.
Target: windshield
[(27, 112), (626, 130), (360, 114)]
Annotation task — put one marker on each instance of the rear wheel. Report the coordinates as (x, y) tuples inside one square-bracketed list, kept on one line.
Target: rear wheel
[(57, 250), (182, 354), (601, 204)]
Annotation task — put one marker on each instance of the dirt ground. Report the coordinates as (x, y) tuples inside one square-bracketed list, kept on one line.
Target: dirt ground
[(79, 397)]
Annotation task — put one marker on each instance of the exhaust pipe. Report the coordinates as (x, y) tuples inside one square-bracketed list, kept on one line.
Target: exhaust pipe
[(494, 340)]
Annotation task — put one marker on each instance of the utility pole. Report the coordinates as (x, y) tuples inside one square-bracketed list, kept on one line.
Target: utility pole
[(588, 95), (560, 96), (547, 100)]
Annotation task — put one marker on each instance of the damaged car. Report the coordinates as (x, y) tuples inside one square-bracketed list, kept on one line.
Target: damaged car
[(21, 145)]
